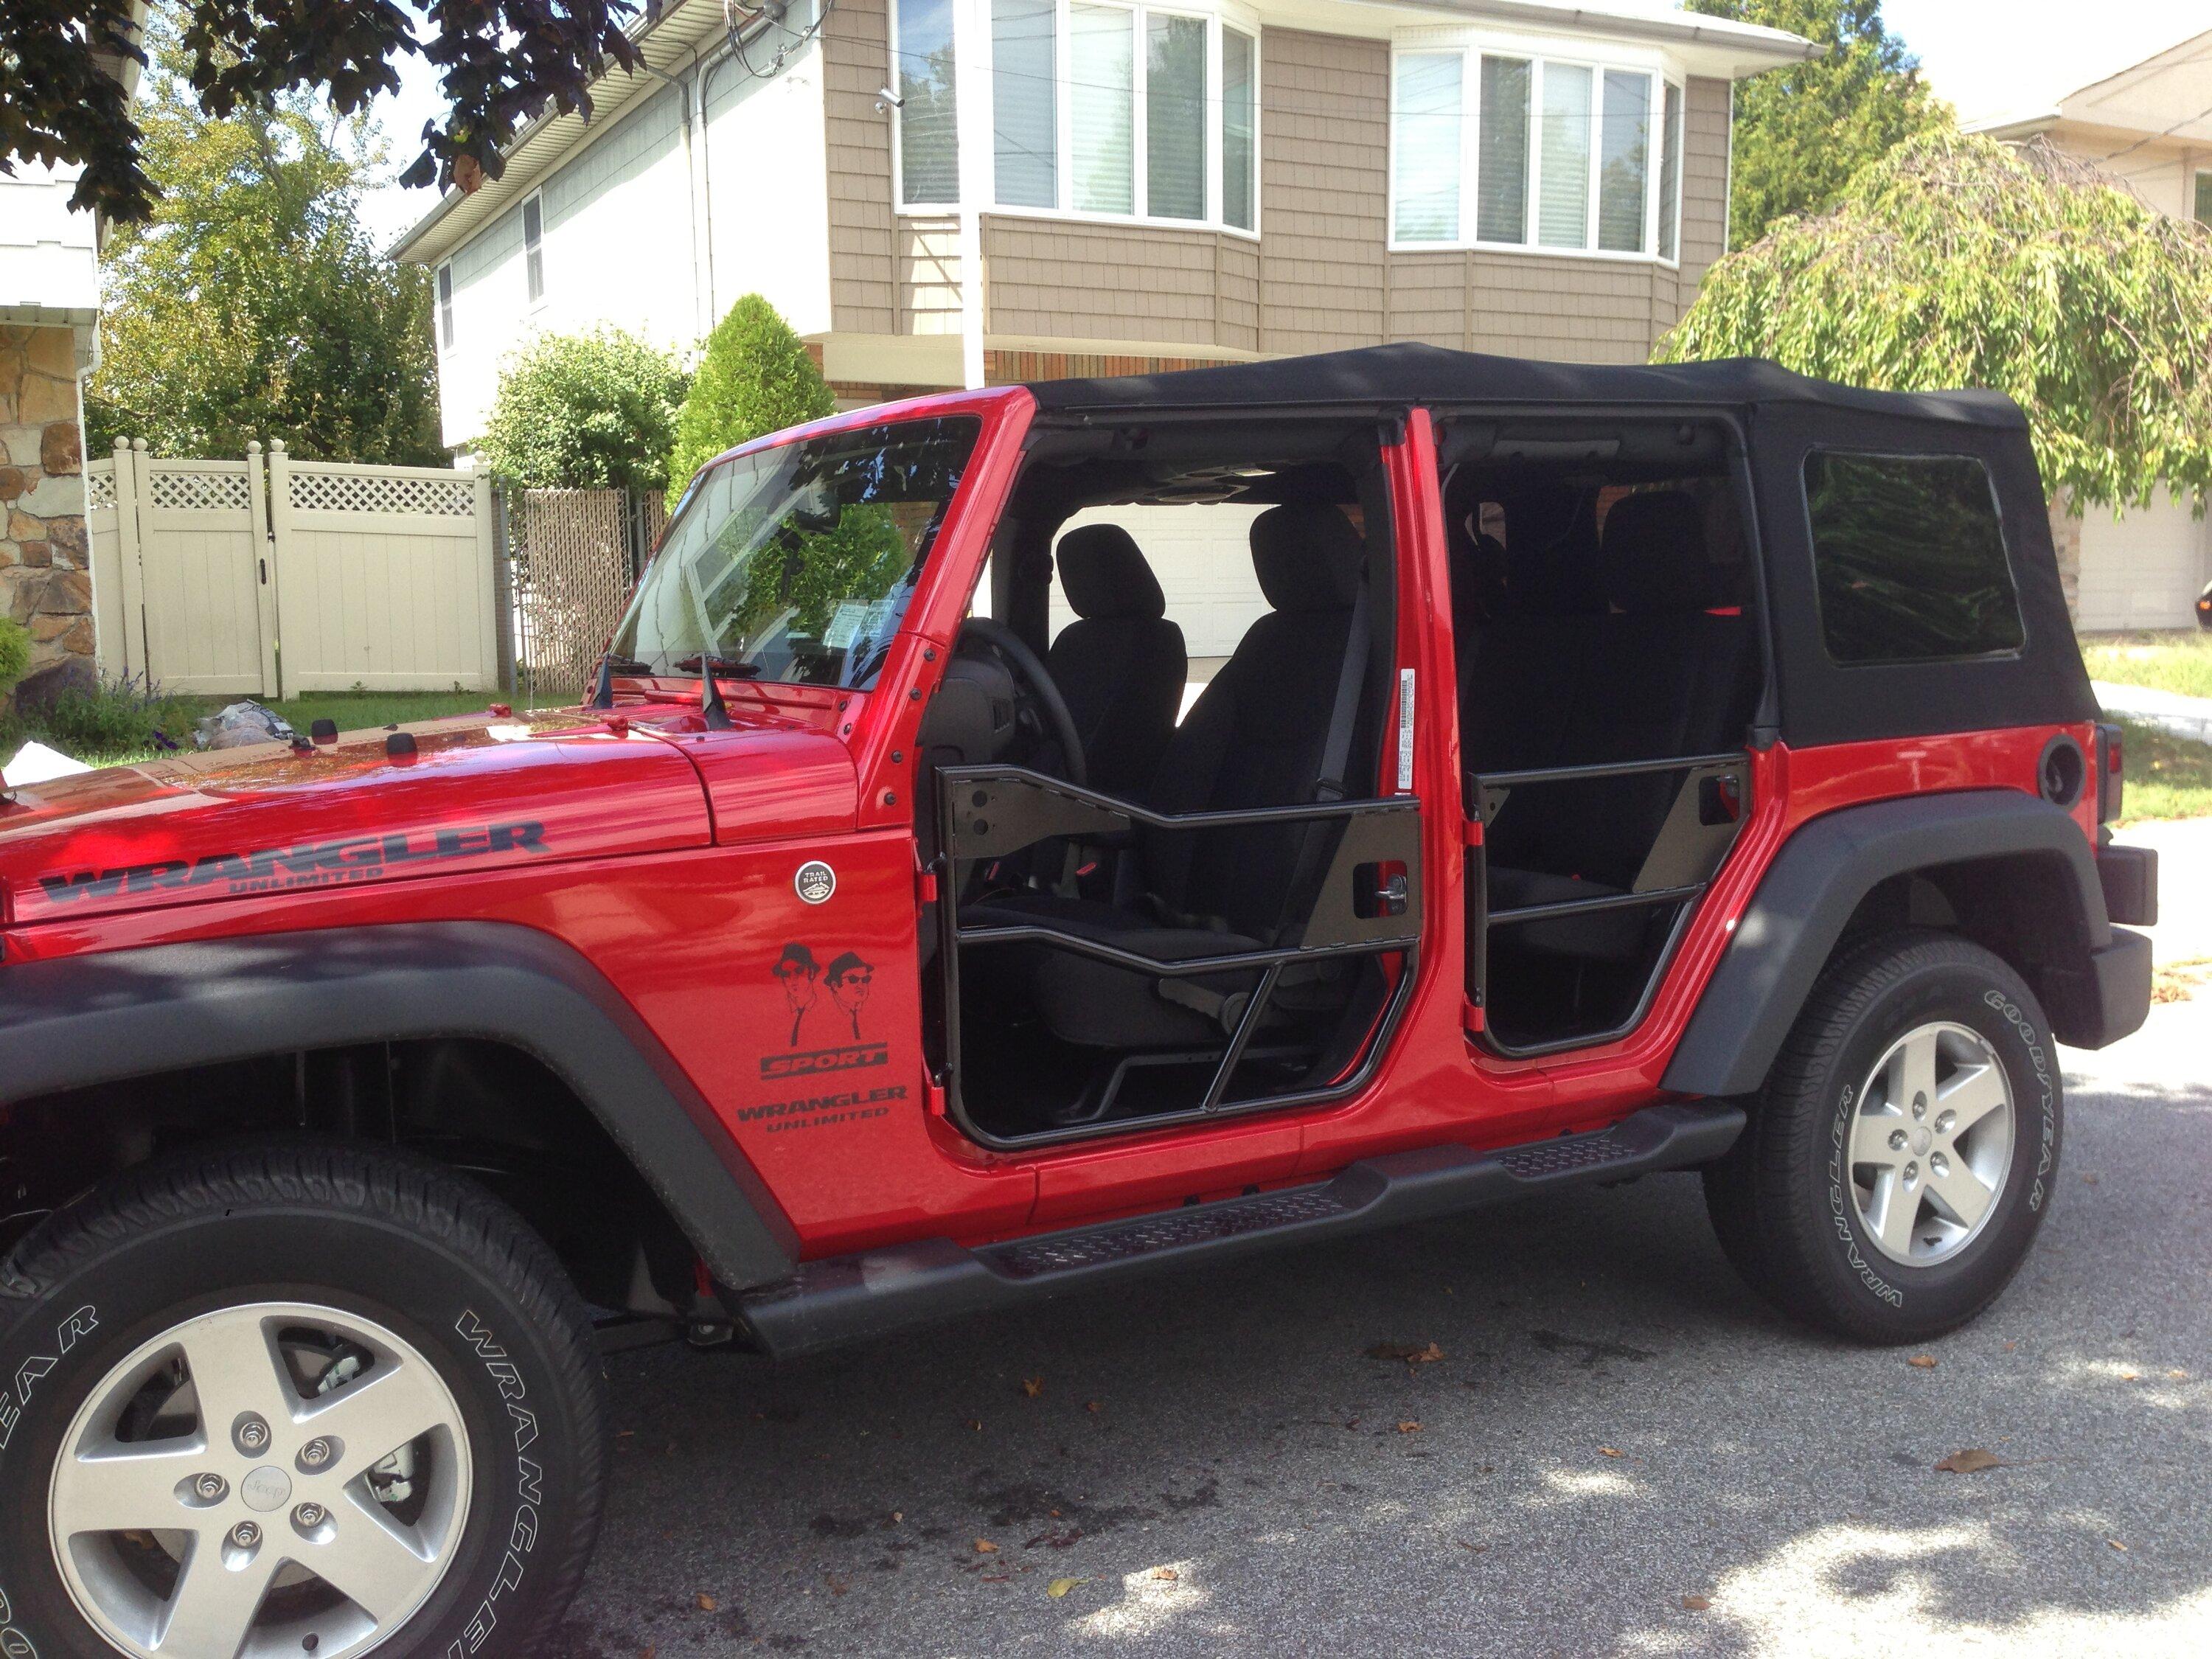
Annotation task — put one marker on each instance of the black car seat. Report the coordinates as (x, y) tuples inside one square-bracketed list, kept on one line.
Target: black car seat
[(1120, 665), (1516, 687), (1662, 675), (1254, 738)]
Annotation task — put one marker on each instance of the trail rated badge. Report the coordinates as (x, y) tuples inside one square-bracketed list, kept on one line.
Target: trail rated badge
[(815, 881)]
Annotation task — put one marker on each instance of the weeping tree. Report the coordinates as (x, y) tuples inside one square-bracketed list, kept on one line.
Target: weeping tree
[(1955, 261)]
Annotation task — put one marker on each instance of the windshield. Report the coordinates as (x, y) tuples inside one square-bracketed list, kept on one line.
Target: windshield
[(796, 562)]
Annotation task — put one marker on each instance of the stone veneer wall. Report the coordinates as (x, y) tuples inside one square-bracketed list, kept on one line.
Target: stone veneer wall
[(45, 563)]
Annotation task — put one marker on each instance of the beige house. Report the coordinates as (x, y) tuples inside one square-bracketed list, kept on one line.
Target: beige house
[(1134, 186), (2150, 124)]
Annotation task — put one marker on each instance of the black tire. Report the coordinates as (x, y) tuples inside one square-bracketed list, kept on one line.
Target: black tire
[(427, 1256), (1779, 1200)]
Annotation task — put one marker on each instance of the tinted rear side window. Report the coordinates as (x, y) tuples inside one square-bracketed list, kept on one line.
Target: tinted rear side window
[(1910, 557)]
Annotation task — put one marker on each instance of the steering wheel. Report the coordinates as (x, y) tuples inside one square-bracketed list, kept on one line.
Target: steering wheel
[(1030, 670)]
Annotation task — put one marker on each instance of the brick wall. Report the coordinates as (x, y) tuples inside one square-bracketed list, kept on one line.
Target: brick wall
[(46, 578)]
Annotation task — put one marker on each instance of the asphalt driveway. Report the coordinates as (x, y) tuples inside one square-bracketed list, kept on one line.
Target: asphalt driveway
[(1618, 1449)]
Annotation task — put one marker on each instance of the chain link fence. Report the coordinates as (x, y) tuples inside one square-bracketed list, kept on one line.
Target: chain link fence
[(572, 557)]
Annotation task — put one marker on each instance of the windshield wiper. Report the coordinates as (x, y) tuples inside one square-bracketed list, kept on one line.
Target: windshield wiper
[(728, 667), (621, 665)]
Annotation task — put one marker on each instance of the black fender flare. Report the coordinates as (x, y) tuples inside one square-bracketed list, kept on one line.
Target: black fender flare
[(1816, 882), (110, 1016)]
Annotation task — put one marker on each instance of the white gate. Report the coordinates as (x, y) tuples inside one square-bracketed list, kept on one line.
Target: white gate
[(263, 577), (180, 596), (385, 576)]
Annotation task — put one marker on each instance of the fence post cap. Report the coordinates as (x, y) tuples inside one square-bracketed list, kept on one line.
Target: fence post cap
[(138, 444), (122, 444), (276, 446), (253, 446)]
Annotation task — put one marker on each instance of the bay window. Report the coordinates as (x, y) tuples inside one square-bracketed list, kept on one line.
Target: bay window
[(1111, 108), (1505, 150)]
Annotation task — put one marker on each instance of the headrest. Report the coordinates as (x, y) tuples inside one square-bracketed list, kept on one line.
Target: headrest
[(1308, 558), (1481, 578), (1103, 574), (1653, 561), (1551, 536)]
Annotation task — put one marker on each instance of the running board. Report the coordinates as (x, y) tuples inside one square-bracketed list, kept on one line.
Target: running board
[(846, 1298)]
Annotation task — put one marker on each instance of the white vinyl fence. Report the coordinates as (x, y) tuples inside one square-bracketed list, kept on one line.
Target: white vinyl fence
[(269, 576)]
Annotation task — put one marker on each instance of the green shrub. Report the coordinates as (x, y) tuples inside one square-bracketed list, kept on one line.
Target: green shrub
[(14, 653), (586, 412), (117, 718), (756, 377)]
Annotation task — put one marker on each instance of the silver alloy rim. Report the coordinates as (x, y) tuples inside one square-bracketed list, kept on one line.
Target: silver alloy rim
[(272, 1479), (1931, 1143)]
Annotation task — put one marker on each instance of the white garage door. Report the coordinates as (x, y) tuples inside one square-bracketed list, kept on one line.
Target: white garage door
[(1203, 557), (2143, 570)]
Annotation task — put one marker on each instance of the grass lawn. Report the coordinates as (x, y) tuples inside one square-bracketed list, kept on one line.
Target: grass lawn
[(2166, 662), (2167, 777)]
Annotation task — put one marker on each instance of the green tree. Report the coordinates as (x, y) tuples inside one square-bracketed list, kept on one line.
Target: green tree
[(254, 304), (1802, 132), (1960, 262), (586, 412), (754, 378)]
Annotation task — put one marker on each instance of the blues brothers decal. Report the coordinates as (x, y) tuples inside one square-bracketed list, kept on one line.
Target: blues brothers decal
[(825, 1028)]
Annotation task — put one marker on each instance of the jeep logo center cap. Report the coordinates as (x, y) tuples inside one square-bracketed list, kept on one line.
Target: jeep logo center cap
[(815, 881)]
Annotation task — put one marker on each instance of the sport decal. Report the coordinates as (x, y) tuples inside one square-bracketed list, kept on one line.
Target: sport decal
[(826, 994), (276, 869)]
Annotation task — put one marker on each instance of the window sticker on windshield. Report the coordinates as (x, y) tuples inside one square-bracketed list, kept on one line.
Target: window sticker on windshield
[(846, 624)]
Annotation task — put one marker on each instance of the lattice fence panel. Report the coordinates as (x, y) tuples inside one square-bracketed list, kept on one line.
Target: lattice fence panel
[(100, 486), (316, 491), (195, 491), (571, 561)]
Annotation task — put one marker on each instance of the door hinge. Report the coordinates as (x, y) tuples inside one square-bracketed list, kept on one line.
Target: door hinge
[(925, 886), (1470, 1015), (932, 1089)]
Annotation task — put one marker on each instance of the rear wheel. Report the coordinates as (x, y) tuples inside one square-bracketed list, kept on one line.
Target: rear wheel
[(1899, 1161), (293, 1401)]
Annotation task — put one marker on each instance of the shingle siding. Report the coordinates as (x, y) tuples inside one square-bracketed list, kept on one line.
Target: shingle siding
[(864, 241)]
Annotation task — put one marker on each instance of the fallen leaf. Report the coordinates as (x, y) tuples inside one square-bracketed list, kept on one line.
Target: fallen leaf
[(1168, 1573), (2089, 1181), (1925, 1362), (2116, 1545), (1413, 1354), (1972, 1461), (706, 1603), (985, 1547), (2176, 1375), (1092, 1405), (1477, 1548), (2012, 1348), (1409, 1426), (1696, 1603), (976, 1424), (1033, 1386), (1609, 1451), (2129, 1376), (1059, 1587)]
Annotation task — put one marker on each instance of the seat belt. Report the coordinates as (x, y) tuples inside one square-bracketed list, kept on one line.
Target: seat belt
[(1335, 758), (1336, 746)]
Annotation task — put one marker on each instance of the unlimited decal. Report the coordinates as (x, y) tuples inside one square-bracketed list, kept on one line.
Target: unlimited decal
[(825, 995)]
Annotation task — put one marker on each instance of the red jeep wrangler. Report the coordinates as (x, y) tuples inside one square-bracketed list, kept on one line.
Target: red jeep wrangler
[(1590, 772)]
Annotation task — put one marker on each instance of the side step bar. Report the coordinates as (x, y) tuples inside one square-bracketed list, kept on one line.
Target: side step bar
[(847, 1298)]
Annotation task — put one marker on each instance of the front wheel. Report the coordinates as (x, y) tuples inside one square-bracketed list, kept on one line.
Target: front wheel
[(1899, 1159), (292, 1399)]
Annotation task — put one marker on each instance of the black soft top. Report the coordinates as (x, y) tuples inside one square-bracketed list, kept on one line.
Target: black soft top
[(1432, 375)]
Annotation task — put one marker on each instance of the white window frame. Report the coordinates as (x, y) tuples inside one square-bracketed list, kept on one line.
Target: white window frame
[(1538, 54), (442, 299), (1226, 16), (534, 302)]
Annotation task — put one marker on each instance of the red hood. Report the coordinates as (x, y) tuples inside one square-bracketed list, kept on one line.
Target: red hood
[(480, 793)]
